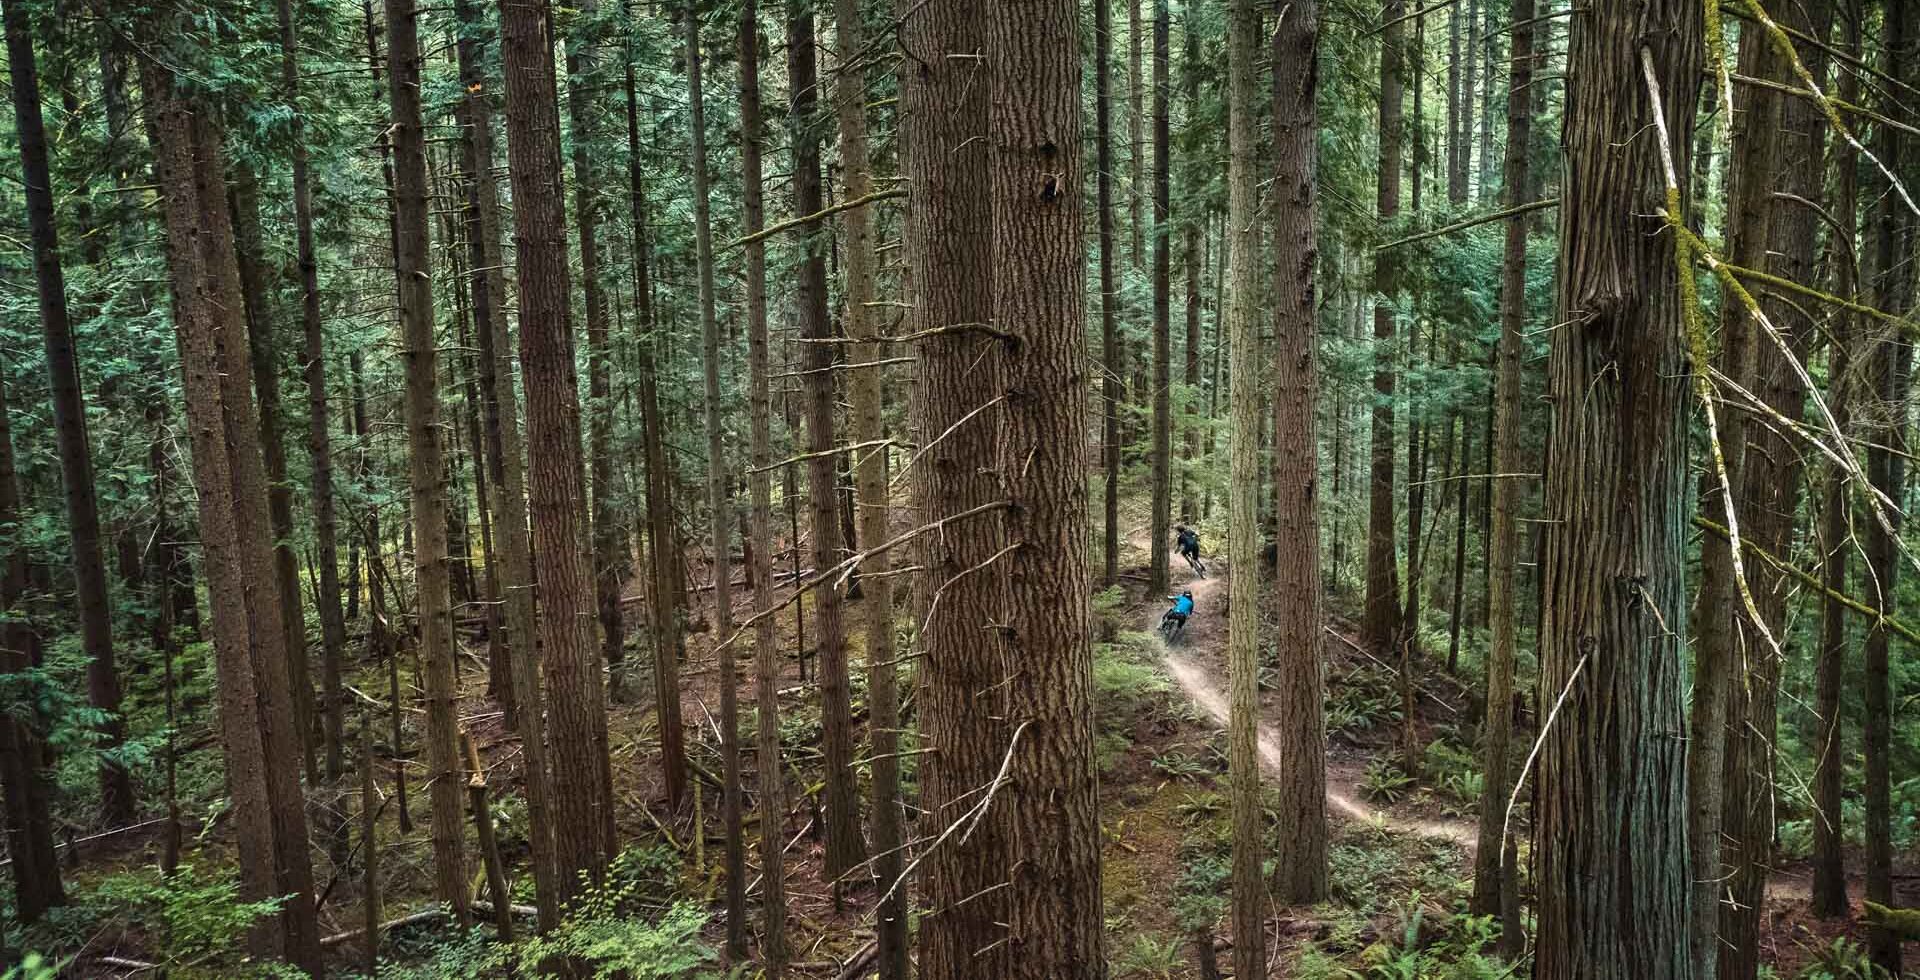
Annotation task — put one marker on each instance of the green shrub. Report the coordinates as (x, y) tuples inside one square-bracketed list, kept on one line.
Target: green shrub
[(1384, 782)]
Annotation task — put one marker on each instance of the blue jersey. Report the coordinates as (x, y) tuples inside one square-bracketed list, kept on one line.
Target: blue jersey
[(1183, 605)]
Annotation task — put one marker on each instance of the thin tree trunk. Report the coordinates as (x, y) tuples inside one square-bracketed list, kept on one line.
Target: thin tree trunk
[(1769, 498), (69, 422), (1162, 464), (1136, 128), (1243, 761), (506, 466), (865, 387), (663, 590), (1382, 619), (1112, 387), (1300, 855), (962, 699), (1054, 910), (1193, 265), (720, 506), (333, 626), (1614, 876), (1491, 873), (1889, 361), (609, 564), (766, 651), (577, 716), (427, 473), (845, 848), (1829, 889), (370, 914)]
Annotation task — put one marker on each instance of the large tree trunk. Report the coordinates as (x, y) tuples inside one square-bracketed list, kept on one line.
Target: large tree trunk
[(256, 703), (1490, 871), (1249, 906), (427, 471), (577, 719), (1112, 387), (505, 459), (1829, 888), (845, 848), (1613, 878), (865, 385), (720, 505), (1381, 622), (1300, 857), (1162, 464), (24, 780), (766, 649), (69, 420), (1053, 868), (963, 377)]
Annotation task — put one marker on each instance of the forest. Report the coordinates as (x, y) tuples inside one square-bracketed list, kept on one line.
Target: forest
[(1030, 489)]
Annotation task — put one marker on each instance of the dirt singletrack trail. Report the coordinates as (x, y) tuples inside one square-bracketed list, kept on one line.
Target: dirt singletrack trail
[(1208, 631)]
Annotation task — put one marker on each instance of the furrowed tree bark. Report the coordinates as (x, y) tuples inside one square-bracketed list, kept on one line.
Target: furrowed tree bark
[(505, 460), (1491, 872), (326, 559), (577, 715), (1054, 913), (427, 470), (69, 420), (865, 389), (720, 505), (1249, 901), (1381, 621), (1613, 872), (1829, 889), (1112, 385), (1162, 465), (1300, 854), (1769, 499), (766, 648), (961, 701), (845, 847), (24, 781), (244, 198), (1720, 652), (235, 530)]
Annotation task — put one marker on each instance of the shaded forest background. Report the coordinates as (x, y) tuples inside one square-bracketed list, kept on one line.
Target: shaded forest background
[(658, 490)]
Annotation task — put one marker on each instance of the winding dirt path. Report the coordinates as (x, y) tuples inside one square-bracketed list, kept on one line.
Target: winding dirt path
[(1207, 691)]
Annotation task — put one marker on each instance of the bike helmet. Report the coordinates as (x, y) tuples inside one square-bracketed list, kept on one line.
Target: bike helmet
[(1186, 594)]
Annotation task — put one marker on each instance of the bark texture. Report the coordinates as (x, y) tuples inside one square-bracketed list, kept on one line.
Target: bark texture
[(1613, 872), (1054, 912), (1300, 854), (945, 94)]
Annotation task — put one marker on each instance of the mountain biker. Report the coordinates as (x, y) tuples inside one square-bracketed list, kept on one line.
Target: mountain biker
[(1187, 541), (1182, 608)]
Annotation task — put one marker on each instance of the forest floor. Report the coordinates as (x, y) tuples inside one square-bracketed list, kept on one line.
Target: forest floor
[(1401, 847)]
